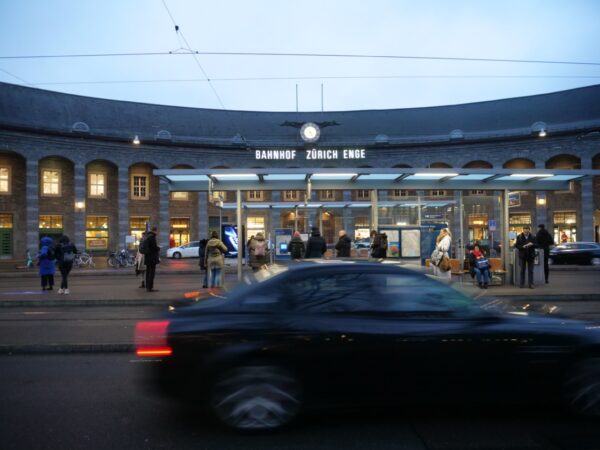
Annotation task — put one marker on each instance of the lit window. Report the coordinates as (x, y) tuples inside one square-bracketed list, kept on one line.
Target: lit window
[(565, 217), (139, 187), (96, 233), (4, 180), (363, 194), (254, 195), (179, 196), (519, 219), (97, 185), (290, 195), (51, 222), (6, 221), (218, 196), (51, 182), (137, 226), (327, 194)]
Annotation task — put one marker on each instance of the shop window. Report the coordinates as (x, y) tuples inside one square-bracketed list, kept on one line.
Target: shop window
[(97, 185), (565, 226), (6, 235), (217, 196), (96, 233), (51, 222), (516, 222), (290, 196), (180, 231), (437, 193), (51, 182), (137, 226), (363, 194), (254, 196), (139, 187), (179, 196), (4, 180), (478, 227), (327, 194), (255, 224)]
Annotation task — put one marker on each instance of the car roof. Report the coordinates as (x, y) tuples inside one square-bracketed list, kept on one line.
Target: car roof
[(312, 264)]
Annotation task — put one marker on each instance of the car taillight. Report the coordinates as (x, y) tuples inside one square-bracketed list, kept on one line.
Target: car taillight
[(151, 338)]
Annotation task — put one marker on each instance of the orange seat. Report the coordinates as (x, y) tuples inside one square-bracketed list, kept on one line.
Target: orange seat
[(496, 265)]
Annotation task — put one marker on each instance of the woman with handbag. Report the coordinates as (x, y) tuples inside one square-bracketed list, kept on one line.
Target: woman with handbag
[(480, 267), (440, 258)]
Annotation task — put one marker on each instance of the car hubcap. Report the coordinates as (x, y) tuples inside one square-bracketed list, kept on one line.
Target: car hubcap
[(256, 398), (582, 389)]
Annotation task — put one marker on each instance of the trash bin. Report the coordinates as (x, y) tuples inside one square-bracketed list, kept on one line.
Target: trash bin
[(538, 267)]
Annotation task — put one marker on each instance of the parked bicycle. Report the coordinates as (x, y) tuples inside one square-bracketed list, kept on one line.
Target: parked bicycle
[(83, 260), (121, 259)]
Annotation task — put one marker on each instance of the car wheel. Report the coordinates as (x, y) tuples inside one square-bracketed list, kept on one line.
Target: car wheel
[(595, 261), (255, 398), (582, 388), (176, 255)]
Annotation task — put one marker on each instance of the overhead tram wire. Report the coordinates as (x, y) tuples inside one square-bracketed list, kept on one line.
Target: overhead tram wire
[(302, 55), (17, 77)]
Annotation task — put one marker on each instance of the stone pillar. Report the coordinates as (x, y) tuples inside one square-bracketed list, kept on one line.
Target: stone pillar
[(32, 209), (202, 215), (587, 204), (79, 214), (459, 229), (374, 210), (347, 214), (164, 223), (123, 201)]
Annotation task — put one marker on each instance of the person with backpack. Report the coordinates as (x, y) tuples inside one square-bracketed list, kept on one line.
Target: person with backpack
[(544, 240), (46, 259), (258, 252), (379, 245), (65, 255), (343, 245), (316, 246), (296, 246), (202, 262), (214, 260), (150, 249), (139, 264)]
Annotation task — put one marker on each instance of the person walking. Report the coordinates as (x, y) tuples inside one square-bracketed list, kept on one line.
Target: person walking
[(214, 259), (46, 259), (544, 240), (258, 251), (151, 257), (379, 245), (202, 262), (65, 254), (316, 246), (343, 245), (140, 264), (440, 258), (526, 245), (296, 246)]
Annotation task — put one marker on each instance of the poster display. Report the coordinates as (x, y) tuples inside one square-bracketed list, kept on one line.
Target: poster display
[(411, 243), (230, 239), (393, 238), (282, 237)]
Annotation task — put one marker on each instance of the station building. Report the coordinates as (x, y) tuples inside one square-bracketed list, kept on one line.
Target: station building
[(94, 169)]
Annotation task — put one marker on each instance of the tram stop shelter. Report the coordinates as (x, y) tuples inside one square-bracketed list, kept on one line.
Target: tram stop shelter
[(495, 186)]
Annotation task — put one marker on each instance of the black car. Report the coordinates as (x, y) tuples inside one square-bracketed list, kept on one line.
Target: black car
[(575, 253), (339, 333)]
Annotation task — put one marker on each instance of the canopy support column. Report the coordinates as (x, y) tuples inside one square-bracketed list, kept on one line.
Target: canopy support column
[(240, 237), (505, 237), (374, 210)]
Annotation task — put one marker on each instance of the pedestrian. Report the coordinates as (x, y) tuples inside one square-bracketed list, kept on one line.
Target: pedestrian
[(202, 263), (151, 252), (379, 245), (258, 251), (46, 259), (440, 258), (480, 267), (526, 245), (214, 259), (564, 238), (544, 240), (65, 255), (248, 250), (140, 264), (296, 246), (343, 245), (316, 246)]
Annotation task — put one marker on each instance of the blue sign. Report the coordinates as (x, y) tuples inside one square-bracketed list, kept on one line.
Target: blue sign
[(492, 224)]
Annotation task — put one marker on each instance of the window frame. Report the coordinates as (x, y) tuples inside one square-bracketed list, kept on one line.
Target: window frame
[(182, 199), (293, 198), (105, 185), (323, 194), (253, 192), (132, 186), (42, 184), (8, 190)]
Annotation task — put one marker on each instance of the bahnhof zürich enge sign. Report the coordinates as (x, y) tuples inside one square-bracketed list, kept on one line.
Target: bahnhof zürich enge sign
[(310, 154)]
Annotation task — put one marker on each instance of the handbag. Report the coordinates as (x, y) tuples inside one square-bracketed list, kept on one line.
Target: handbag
[(482, 263), (444, 263)]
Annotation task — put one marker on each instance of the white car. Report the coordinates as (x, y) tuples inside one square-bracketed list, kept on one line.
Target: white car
[(189, 250)]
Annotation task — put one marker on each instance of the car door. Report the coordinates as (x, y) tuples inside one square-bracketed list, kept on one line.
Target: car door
[(191, 249)]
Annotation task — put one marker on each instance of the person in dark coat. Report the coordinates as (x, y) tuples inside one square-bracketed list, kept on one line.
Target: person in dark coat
[(65, 254), (544, 240), (316, 246), (343, 245), (151, 258), (526, 246), (202, 263), (46, 262), (296, 246)]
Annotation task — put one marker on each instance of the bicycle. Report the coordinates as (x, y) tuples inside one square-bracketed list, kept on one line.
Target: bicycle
[(83, 260), (121, 259)]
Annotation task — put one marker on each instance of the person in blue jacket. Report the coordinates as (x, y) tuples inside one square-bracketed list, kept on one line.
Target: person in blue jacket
[(46, 259)]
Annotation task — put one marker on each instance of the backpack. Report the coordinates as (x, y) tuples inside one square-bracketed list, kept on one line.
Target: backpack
[(383, 243), (68, 255), (214, 251), (259, 249), (143, 248), (295, 249)]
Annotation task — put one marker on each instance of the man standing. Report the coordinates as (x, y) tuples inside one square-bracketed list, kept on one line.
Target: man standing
[(316, 246), (526, 246), (343, 245), (151, 252), (544, 241)]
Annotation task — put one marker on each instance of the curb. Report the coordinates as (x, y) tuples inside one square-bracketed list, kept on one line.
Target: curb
[(93, 302), (65, 348)]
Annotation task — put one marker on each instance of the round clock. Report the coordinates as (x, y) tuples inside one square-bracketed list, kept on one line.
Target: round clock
[(310, 132)]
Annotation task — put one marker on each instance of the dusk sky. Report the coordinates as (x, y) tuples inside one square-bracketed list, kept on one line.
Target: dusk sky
[(524, 30)]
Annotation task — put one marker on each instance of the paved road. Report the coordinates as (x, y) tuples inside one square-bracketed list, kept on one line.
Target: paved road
[(93, 402)]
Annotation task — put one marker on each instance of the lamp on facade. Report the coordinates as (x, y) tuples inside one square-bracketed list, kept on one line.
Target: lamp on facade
[(79, 206), (136, 140), (542, 133), (541, 201)]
